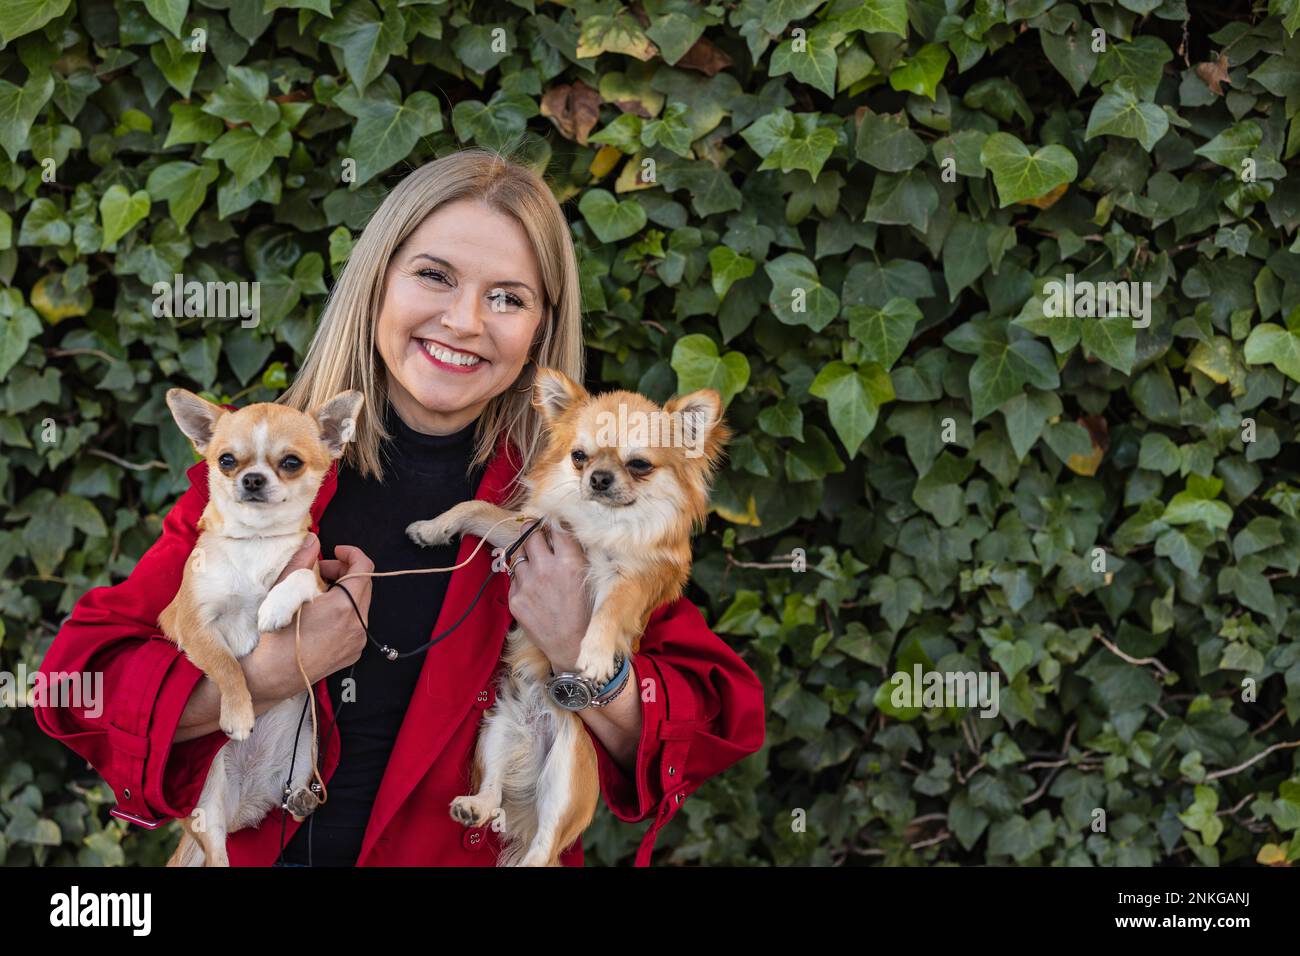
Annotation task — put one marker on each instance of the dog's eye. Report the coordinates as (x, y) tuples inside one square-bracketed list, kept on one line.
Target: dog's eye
[(290, 463), (639, 466), (579, 457), (226, 461)]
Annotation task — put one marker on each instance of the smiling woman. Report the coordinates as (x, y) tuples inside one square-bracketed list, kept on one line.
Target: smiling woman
[(452, 311), (468, 258), (464, 282)]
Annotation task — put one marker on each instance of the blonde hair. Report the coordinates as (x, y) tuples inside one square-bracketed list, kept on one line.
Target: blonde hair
[(342, 354)]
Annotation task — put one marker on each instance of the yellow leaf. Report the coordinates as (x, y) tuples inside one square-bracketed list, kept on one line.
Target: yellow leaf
[(1216, 360), (619, 33), (55, 303), (605, 160), (629, 179), (631, 92), (1099, 434), (1086, 465), (735, 517), (1270, 854)]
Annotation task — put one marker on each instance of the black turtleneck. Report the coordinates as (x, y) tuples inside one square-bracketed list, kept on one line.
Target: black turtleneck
[(424, 475)]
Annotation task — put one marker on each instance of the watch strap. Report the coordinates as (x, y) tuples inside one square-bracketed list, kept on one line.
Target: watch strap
[(615, 685)]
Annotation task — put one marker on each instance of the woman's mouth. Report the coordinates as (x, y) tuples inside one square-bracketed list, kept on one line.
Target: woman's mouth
[(448, 358)]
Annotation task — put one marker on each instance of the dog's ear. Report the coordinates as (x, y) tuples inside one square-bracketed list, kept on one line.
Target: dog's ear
[(554, 393), (196, 417), (701, 417), (338, 420)]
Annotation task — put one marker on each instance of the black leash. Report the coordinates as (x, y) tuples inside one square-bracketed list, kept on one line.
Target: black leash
[(391, 654)]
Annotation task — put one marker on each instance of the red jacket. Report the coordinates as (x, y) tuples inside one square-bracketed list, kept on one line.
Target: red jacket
[(702, 707)]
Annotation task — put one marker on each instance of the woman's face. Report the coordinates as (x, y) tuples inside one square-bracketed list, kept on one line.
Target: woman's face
[(462, 302)]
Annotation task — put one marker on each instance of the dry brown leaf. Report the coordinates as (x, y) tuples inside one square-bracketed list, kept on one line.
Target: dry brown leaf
[(575, 110), (704, 57), (1099, 432), (1214, 73)]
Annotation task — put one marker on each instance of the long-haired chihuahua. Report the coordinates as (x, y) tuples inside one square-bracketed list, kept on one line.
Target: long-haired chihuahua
[(631, 481)]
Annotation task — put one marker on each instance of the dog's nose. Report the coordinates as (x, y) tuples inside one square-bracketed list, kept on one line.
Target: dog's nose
[(253, 481), (601, 480)]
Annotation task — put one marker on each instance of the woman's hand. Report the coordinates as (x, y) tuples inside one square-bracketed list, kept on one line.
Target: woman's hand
[(332, 637), (548, 595)]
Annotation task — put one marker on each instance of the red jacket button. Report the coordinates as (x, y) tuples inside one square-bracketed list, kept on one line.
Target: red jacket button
[(473, 839), (484, 698)]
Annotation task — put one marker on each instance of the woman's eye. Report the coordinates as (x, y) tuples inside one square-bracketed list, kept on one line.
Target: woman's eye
[(639, 466), (291, 463), (579, 457), (433, 274), (501, 299), (226, 461)]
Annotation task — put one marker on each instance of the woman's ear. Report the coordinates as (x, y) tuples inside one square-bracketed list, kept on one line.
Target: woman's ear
[(554, 393), (196, 417), (338, 420)]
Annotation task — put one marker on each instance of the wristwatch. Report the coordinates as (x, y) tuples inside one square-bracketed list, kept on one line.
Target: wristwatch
[(575, 692)]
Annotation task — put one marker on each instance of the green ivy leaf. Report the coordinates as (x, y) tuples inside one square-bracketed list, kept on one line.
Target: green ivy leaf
[(19, 107), (1019, 174), (20, 17), (698, 365), (728, 267), (884, 332), (387, 127), (248, 155), (170, 13), (121, 209), (609, 218), (885, 142), (1120, 113), (921, 73), (243, 99), (1233, 145), (366, 38), (876, 16), (183, 186), (1270, 344), (854, 396), (798, 296)]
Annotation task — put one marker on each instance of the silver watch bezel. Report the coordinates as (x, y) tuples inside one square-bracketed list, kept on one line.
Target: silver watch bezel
[(589, 688)]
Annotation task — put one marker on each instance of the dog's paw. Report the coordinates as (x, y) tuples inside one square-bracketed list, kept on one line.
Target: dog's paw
[(597, 665), (431, 533), (473, 811), (277, 611), (237, 718)]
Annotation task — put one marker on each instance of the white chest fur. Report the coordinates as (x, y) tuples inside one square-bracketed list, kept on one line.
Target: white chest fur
[(232, 577)]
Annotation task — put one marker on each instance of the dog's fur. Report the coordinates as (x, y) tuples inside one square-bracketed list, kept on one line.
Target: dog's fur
[(534, 762), (258, 513)]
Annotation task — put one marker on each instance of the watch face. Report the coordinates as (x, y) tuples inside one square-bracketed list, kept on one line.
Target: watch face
[(570, 694)]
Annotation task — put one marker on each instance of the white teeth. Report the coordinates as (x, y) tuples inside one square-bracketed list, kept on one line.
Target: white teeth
[(448, 356)]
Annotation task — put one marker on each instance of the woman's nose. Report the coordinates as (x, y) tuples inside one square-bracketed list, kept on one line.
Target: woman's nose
[(467, 315)]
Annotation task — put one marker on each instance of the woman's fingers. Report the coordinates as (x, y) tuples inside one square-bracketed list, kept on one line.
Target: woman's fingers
[(540, 539), (304, 557), (354, 558), (565, 545), (355, 561)]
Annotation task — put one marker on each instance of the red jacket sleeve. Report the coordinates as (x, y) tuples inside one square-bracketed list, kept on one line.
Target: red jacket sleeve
[(111, 641), (702, 710)]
